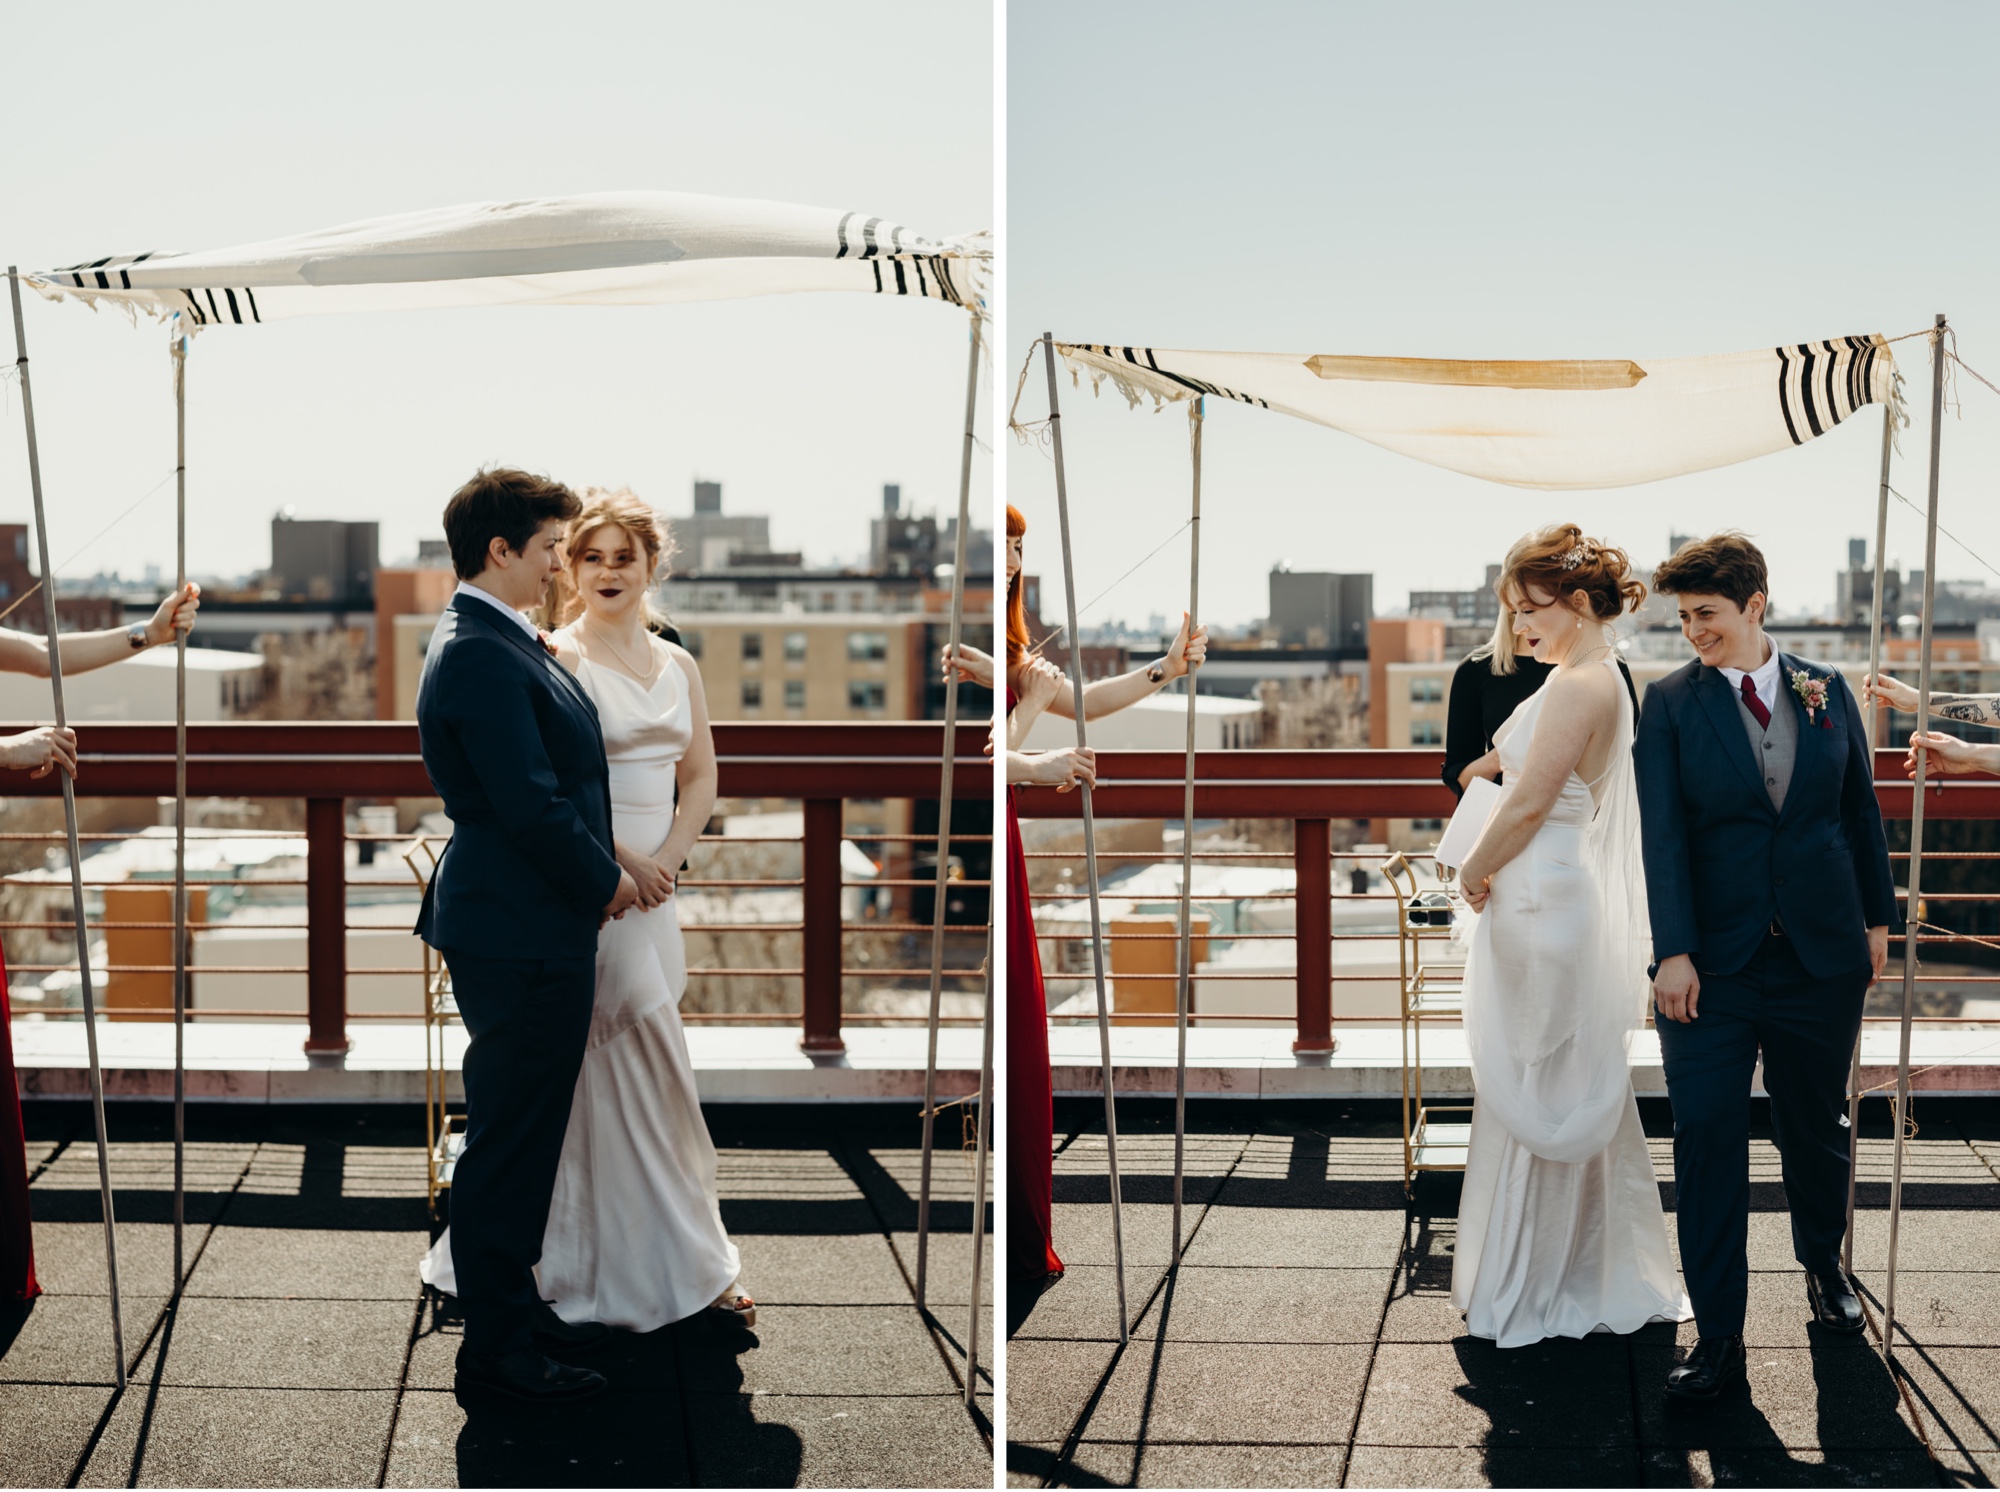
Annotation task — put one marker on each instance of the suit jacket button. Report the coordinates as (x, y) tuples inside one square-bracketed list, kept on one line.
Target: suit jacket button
[(1780, 881)]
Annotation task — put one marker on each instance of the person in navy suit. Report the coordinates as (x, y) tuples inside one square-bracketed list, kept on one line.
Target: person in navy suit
[(512, 745), (1767, 879)]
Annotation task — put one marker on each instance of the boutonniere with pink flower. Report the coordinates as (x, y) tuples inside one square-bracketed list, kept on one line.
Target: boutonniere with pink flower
[(547, 642), (1811, 691)]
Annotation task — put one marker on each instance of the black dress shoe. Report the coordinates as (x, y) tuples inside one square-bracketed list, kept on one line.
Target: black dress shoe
[(554, 1332), (1714, 1365), (1835, 1306), (526, 1374)]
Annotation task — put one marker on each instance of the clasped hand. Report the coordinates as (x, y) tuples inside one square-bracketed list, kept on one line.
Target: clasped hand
[(174, 616), (40, 751), (1041, 682), (653, 882), (643, 882), (1189, 651), (974, 666)]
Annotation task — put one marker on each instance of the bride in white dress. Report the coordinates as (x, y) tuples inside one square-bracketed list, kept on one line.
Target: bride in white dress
[(1560, 1229), (635, 1236)]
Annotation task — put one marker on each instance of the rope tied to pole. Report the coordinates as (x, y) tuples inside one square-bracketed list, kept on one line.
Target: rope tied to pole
[(85, 547), (1057, 630), (1029, 432)]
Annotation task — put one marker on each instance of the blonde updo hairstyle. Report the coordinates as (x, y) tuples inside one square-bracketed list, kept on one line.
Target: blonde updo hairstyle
[(1559, 561), (601, 507)]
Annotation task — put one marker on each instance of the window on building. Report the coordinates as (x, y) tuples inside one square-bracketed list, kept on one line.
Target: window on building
[(1426, 733), (867, 647), (692, 642), (826, 601), (753, 694), (866, 695), (753, 646), (795, 647), (1427, 826), (795, 694), (1426, 691)]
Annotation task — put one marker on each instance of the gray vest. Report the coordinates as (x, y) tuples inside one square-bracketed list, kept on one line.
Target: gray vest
[(1777, 746)]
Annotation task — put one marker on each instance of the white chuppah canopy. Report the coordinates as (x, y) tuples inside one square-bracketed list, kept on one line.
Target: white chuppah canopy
[(1557, 426), (1554, 425), (601, 249)]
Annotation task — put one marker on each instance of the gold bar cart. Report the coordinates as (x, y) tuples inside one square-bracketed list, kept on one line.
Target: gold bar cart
[(1435, 1136), (444, 1131)]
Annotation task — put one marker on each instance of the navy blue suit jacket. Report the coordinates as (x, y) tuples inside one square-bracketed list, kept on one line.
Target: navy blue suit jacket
[(1721, 862), (511, 743)]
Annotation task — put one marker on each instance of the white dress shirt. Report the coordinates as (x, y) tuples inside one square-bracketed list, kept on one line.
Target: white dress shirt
[(1764, 675), (465, 589)]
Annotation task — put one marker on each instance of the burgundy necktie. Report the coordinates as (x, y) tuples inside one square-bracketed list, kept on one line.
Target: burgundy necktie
[(1756, 705)]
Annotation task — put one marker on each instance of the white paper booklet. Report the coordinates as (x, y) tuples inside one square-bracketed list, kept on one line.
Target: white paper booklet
[(1482, 796)]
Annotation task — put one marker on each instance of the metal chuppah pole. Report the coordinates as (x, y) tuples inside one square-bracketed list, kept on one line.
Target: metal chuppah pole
[(1874, 672), (1913, 908), (1183, 986), (75, 849), (180, 820), (982, 1148), (1089, 848), (944, 825)]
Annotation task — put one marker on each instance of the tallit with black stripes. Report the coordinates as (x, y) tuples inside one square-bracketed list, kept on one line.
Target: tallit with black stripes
[(1552, 424), (607, 248)]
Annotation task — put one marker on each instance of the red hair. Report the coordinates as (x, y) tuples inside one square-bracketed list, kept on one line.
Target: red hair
[(1017, 608), (1559, 560)]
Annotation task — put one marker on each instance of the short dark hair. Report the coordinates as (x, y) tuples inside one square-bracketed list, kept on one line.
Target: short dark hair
[(1725, 564), (501, 503)]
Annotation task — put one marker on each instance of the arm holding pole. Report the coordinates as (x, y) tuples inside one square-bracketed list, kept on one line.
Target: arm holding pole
[(82, 652), (1107, 696)]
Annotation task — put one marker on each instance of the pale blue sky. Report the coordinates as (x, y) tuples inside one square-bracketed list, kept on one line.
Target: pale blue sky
[(1516, 180), (232, 122)]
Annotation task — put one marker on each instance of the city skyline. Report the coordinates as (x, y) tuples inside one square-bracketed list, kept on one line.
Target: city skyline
[(1792, 602)]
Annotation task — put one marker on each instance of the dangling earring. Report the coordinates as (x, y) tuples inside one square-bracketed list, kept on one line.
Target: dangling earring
[(1579, 624)]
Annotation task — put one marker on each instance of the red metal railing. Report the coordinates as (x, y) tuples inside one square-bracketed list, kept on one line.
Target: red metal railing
[(1311, 789), (819, 764)]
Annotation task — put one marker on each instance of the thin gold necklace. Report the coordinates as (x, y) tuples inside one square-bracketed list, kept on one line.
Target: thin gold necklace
[(1568, 665), (644, 676)]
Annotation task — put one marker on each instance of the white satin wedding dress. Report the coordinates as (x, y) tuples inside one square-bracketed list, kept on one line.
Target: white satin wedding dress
[(635, 1236), (1560, 1229)]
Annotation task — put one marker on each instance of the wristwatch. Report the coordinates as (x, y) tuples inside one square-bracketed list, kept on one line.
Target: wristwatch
[(136, 635)]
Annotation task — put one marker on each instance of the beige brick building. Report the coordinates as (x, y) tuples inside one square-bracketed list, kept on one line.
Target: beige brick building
[(807, 666)]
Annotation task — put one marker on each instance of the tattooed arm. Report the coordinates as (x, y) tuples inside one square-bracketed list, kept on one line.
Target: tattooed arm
[(1970, 709), (1973, 709)]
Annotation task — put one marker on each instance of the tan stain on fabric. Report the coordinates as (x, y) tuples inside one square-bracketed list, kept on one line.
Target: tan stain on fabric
[(1572, 374)]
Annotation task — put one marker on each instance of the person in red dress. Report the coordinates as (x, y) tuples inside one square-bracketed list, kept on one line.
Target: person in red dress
[(1034, 685), (40, 752)]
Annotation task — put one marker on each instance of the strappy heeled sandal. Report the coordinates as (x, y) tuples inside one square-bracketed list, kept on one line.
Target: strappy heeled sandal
[(737, 1306)]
